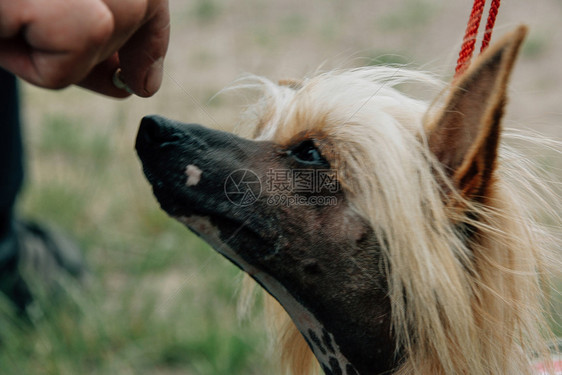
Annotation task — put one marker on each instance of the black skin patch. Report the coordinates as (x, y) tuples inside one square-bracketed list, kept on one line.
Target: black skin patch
[(314, 338), (327, 370), (350, 370), (335, 365), (327, 341)]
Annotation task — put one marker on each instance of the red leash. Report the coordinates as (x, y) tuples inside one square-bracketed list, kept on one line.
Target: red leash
[(469, 40)]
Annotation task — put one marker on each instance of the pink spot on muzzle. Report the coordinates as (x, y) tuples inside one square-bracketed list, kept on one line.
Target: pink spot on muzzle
[(193, 175)]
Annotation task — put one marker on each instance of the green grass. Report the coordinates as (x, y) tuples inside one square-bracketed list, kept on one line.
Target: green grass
[(206, 11), (386, 58), (293, 24), (535, 46), (412, 14), (158, 300)]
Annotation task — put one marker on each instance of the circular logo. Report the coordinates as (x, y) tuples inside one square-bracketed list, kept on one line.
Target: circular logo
[(242, 187)]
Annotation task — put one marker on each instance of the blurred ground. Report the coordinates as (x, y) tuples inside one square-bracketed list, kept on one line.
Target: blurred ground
[(161, 301)]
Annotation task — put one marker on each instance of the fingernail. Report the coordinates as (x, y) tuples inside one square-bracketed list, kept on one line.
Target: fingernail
[(154, 77), (119, 83)]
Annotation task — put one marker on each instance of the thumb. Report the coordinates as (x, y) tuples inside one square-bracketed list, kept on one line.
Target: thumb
[(142, 57)]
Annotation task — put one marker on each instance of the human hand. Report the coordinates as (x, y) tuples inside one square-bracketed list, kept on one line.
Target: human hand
[(56, 43)]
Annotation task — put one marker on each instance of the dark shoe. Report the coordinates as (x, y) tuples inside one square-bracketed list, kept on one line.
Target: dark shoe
[(41, 256)]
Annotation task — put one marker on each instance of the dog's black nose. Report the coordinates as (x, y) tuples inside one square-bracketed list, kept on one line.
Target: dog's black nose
[(157, 131), (149, 129)]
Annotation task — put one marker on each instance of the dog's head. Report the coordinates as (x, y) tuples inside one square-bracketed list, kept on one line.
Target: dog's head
[(278, 211), (335, 206)]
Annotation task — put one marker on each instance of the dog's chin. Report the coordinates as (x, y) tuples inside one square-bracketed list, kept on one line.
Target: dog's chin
[(218, 229), (177, 206), (232, 239)]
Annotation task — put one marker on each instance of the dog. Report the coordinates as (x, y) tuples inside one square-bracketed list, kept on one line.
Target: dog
[(392, 230)]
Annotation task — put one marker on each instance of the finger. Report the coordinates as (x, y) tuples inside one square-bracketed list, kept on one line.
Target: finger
[(100, 79), (14, 56), (51, 70), (58, 44), (142, 57), (12, 18), (128, 17)]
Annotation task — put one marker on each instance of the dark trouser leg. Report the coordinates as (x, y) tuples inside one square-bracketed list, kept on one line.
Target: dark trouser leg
[(11, 164), (11, 176)]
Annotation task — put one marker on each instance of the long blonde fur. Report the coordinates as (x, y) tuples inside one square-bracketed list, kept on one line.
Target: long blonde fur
[(458, 306)]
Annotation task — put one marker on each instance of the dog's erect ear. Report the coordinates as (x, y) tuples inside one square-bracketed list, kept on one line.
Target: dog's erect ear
[(465, 135)]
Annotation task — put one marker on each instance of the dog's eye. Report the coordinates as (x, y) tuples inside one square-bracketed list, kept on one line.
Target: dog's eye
[(307, 153)]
